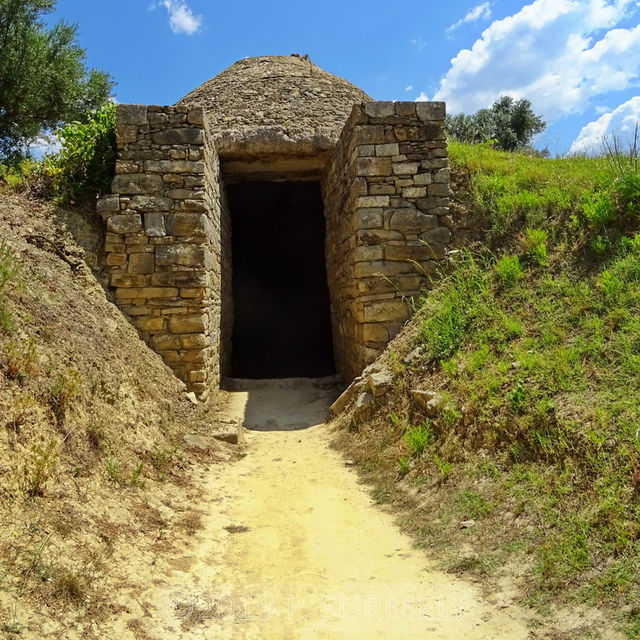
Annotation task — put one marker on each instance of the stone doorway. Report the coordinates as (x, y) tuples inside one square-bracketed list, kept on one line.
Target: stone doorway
[(281, 311)]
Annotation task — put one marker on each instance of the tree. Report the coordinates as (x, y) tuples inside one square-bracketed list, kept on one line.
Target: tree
[(511, 123), (43, 79)]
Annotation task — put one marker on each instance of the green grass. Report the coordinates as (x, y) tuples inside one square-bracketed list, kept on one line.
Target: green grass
[(535, 342)]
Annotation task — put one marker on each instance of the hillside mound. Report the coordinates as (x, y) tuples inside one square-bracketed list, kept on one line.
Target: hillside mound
[(502, 422), (97, 437)]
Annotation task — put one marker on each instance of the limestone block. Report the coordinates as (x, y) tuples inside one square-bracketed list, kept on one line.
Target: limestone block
[(136, 183), (372, 166), (195, 293), (411, 220), (174, 166), (179, 278), (180, 254), (406, 109), (415, 252), (195, 116), (154, 225), (367, 253), (382, 189), (367, 150), (440, 234), (165, 342), (414, 192), (199, 356), (108, 204), (126, 133), (388, 149), (368, 219), (375, 332), (195, 341), (121, 279), (193, 205), (151, 203), (380, 382), (431, 110), (178, 136), (438, 190), (142, 263), (381, 268), (423, 179), (116, 259), (442, 176), (129, 114), (193, 323), (405, 168), (371, 202), (386, 311), (369, 134), (150, 323), (158, 292), (379, 109), (124, 223), (125, 166)]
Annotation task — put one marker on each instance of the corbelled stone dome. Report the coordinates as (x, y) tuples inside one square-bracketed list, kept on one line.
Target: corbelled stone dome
[(275, 105)]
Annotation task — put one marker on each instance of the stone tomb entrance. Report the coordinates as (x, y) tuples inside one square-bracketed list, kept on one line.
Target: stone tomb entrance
[(281, 314), (275, 222)]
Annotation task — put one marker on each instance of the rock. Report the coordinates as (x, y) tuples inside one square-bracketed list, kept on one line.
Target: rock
[(151, 203), (379, 383), (194, 323), (467, 524), (178, 136), (347, 396), (407, 220), (180, 254), (192, 397), (154, 225), (363, 403), (108, 204), (124, 223), (129, 114), (431, 110), (431, 401)]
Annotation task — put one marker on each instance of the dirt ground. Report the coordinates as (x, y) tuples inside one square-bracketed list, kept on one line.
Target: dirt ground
[(293, 547)]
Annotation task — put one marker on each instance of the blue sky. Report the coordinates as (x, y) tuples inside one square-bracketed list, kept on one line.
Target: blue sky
[(578, 61)]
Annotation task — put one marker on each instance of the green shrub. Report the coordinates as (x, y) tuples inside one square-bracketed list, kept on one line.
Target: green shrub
[(534, 245), (450, 312), (508, 269), (598, 209), (85, 164), (420, 437)]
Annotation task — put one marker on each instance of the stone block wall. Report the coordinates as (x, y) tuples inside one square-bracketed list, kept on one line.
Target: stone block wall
[(163, 243), (386, 196)]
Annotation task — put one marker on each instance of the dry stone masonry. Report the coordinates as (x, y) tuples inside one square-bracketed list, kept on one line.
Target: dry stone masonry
[(386, 200), (385, 180)]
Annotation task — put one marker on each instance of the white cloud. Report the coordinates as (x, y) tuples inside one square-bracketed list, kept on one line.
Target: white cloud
[(408, 88), (181, 17), (419, 43), (423, 97), (479, 12), (620, 122), (552, 52), (45, 145)]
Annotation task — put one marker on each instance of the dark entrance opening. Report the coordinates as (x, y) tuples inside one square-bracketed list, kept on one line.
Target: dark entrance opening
[(282, 322)]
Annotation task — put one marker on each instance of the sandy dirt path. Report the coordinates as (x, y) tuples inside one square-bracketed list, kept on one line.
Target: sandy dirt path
[(294, 548)]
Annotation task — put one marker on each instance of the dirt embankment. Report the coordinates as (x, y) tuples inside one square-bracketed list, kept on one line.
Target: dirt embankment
[(98, 440)]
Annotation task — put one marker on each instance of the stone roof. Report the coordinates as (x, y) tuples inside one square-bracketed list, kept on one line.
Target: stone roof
[(275, 105)]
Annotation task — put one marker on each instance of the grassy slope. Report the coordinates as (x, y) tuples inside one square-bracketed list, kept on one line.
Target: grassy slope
[(534, 346), (93, 464)]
